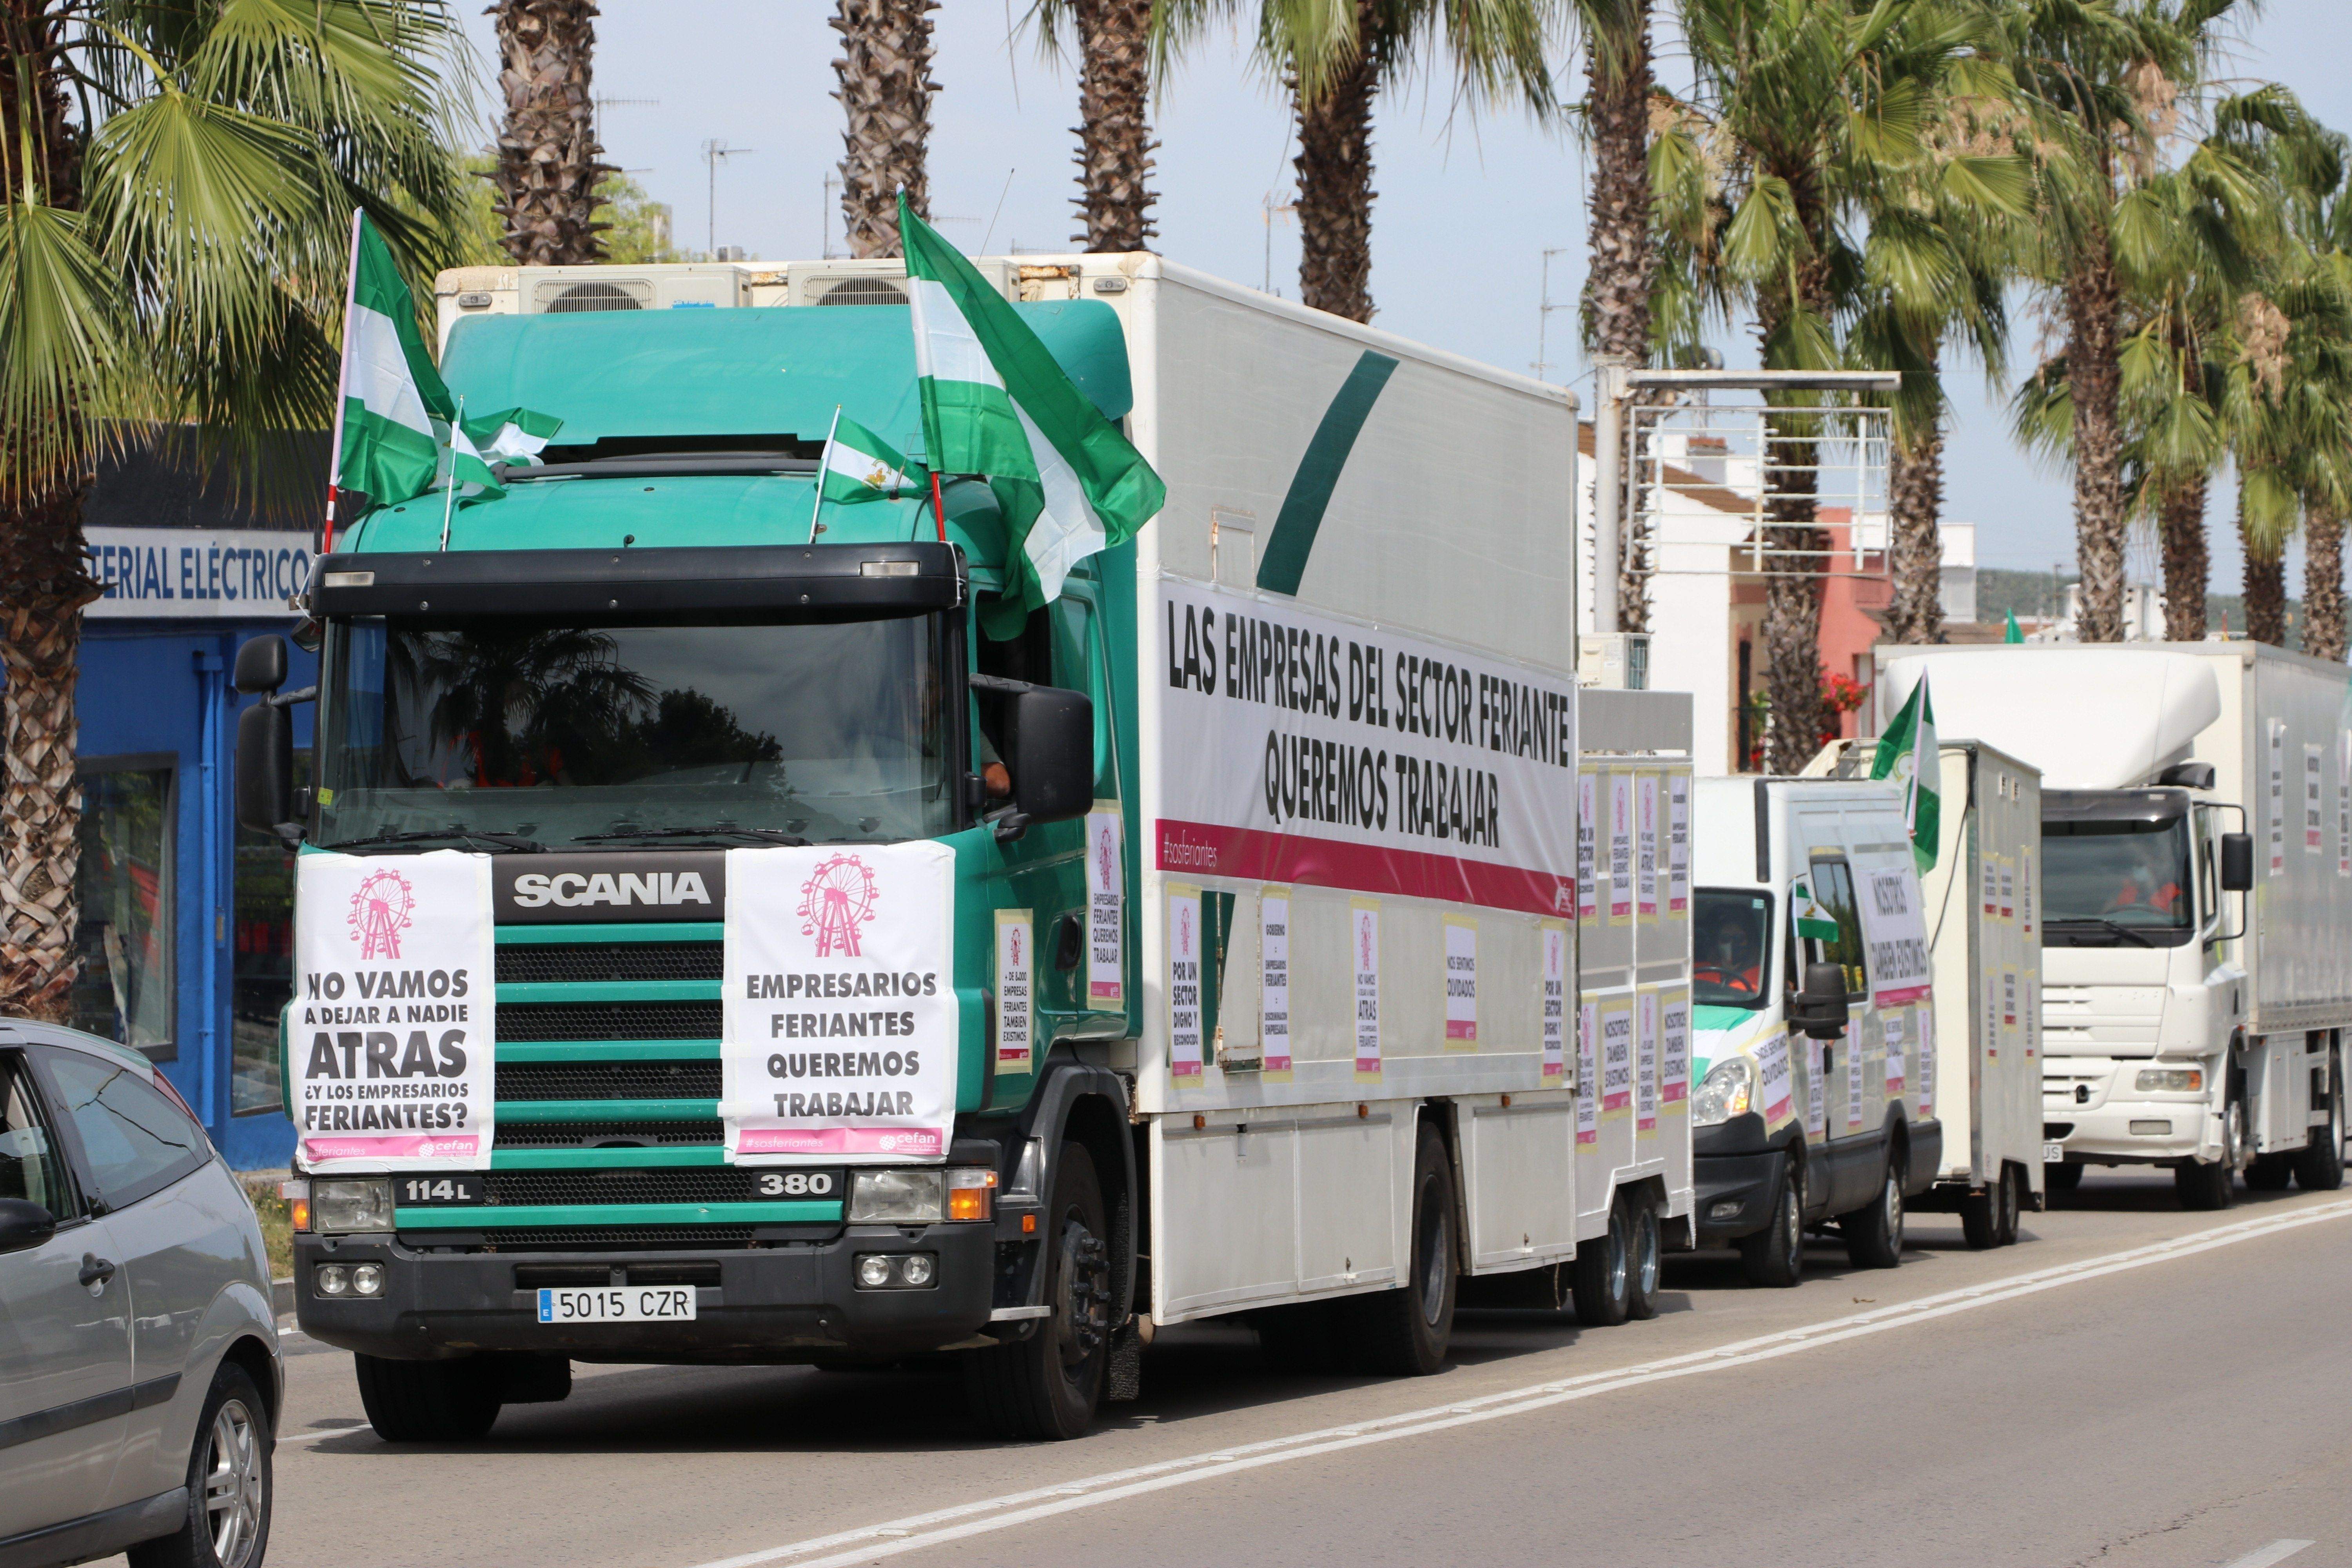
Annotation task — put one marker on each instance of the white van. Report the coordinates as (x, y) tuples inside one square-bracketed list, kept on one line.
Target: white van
[(1811, 986)]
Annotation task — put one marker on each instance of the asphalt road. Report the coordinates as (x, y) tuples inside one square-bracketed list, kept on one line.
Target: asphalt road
[(2130, 1385)]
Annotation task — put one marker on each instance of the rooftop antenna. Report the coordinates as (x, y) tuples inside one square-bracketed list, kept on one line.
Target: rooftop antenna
[(602, 104), (1543, 313), (1272, 210), (714, 153)]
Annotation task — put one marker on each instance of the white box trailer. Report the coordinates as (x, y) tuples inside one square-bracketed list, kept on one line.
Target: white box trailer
[(2181, 1027)]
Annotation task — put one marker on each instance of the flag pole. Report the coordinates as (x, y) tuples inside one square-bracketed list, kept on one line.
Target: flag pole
[(342, 378), (939, 507), (449, 495), (824, 458)]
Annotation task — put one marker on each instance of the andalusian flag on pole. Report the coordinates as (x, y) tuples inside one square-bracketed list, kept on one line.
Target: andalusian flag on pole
[(1907, 752), (860, 466), (996, 404), (1812, 920)]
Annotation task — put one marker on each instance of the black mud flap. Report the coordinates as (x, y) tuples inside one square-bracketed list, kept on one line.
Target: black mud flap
[(1123, 1378)]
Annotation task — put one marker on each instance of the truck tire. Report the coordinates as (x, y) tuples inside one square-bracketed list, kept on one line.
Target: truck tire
[(2215, 1186), (1046, 1387), (1604, 1275), (427, 1401), (2270, 1172), (2319, 1167), (1775, 1255), (1981, 1217), (227, 1524), (1405, 1332), (2011, 1194), (1874, 1234), (1645, 1259)]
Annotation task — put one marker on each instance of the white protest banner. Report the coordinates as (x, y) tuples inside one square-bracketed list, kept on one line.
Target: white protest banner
[(1617, 1059), (1927, 1017), (840, 1029), (1894, 931), (1853, 1074), (1015, 973), (1105, 901), (1896, 1048), (1816, 1055), (1678, 844), (1274, 981), (1620, 848), (1645, 1064), (1555, 1001), (1461, 983), (1673, 1049), (1365, 949), (1301, 746), (1187, 1054), (395, 1007), (2314, 813), (1587, 1077), (1772, 1081), (1645, 851), (1588, 841)]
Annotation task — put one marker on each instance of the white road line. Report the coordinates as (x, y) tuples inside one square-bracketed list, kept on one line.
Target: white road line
[(919, 1532), (2277, 1552)]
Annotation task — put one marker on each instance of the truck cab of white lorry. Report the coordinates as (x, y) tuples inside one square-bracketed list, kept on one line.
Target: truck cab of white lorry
[(1810, 988)]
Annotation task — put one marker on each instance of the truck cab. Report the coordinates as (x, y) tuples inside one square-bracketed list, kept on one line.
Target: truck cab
[(1811, 983)]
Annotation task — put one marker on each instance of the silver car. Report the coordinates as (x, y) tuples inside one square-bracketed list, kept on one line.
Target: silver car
[(139, 1369)]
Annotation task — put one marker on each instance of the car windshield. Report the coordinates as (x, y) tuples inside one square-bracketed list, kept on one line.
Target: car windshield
[(1730, 930), (2130, 874), (555, 734)]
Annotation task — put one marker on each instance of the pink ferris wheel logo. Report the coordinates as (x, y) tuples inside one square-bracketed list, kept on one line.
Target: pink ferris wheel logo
[(837, 899), (383, 907)]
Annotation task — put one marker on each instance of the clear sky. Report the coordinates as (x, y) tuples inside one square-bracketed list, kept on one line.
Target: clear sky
[(1465, 208)]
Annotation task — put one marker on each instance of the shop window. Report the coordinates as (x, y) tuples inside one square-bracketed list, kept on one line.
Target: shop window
[(124, 990), (262, 971)]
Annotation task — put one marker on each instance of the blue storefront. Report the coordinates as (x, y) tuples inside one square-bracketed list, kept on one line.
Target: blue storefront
[(186, 922)]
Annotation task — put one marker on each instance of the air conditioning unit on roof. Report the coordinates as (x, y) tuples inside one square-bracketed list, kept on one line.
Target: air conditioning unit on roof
[(876, 281)]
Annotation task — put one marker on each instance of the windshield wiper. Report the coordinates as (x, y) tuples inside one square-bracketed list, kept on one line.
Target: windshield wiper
[(512, 841), (717, 830), (2111, 925)]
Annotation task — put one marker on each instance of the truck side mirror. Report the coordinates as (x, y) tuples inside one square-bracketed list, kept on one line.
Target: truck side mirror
[(265, 760), (1053, 754), (1819, 1008), (2237, 862), (260, 666)]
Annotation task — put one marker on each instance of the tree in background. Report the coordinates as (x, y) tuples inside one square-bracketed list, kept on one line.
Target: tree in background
[(180, 185), (1115, 146), (885, 71), (548, 159)]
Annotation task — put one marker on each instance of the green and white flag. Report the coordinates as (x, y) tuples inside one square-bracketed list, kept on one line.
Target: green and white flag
[(996, 404), (1812, 920), (860, 466), (1907, 752)]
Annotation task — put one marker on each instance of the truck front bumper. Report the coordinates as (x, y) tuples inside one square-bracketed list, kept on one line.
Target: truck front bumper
[(1734, 1178), (2082, 1110), (796, 1302)]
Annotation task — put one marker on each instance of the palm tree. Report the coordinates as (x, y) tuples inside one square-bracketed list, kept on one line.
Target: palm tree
[(173, 253), (1115, 145), (885, 71), (548, 156), (1806, 132)]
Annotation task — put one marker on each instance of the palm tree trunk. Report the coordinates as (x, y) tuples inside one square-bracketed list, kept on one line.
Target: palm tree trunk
[(885, 70), (1114, 142), (2265, 584), (1914, 503), (2323, 584), (1335, 179), (1622, 258), (2188, 566), (548, 157), (2094, 378)]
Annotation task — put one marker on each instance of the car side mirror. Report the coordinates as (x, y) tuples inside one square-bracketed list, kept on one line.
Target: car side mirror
[(2237, 862), (265, 763), (1053, 754), (260, 666), (1819, 1008), (23, 1224)]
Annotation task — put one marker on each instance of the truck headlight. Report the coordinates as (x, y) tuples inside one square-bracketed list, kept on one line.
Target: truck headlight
[(898, 1194), (1724, 1093), (346, 1205), (2169, 1080)]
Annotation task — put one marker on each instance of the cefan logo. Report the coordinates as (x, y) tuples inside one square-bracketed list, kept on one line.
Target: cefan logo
[(1364, 946), (1184, 928), (1105, 851), (1015, 944), (383, 907), (835, 900)]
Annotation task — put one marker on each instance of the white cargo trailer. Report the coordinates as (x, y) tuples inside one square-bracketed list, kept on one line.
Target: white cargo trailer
[(2181, 1026)]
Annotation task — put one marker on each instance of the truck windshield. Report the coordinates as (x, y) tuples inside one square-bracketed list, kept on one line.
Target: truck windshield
[(1728, 960), (2103, 879), (825, 731)]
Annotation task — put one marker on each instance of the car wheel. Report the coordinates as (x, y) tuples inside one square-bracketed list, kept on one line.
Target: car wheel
[(427, 1401), (1405, 1332), (1874, 1235), (1775, 1255), (1049, 1386), (229, 1483)]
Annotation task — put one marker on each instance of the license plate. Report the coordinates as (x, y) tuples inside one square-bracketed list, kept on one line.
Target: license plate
[(2054, 1153), (618, 1304)]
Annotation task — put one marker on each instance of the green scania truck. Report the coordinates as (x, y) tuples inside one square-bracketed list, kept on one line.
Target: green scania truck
[(716, 947)]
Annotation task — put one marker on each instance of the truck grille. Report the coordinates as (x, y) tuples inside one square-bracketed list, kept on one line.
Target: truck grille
[(609, 1021), (578, 1238), (695, 1185), (588, 961), (700, 1131), (608, 1080)]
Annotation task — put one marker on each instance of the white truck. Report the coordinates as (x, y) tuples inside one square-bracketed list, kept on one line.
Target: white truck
[(2181, 1026), (1981, 1046)]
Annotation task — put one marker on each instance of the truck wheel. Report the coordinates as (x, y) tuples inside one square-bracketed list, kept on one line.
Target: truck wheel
[(1775, 1255), (1874, 1235), (427, 1401), (2012, 1200), (2319, 1168), (1405, 1332), (2270, 1172), (1604, 1275), (1047, 1386), (2215, 1186), (1981, 1218), (1646, 1259), (229, 1486), (2065, 1176)]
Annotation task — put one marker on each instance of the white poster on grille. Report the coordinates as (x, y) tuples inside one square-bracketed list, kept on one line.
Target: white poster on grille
[(396, 1002), (840, 1029)]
